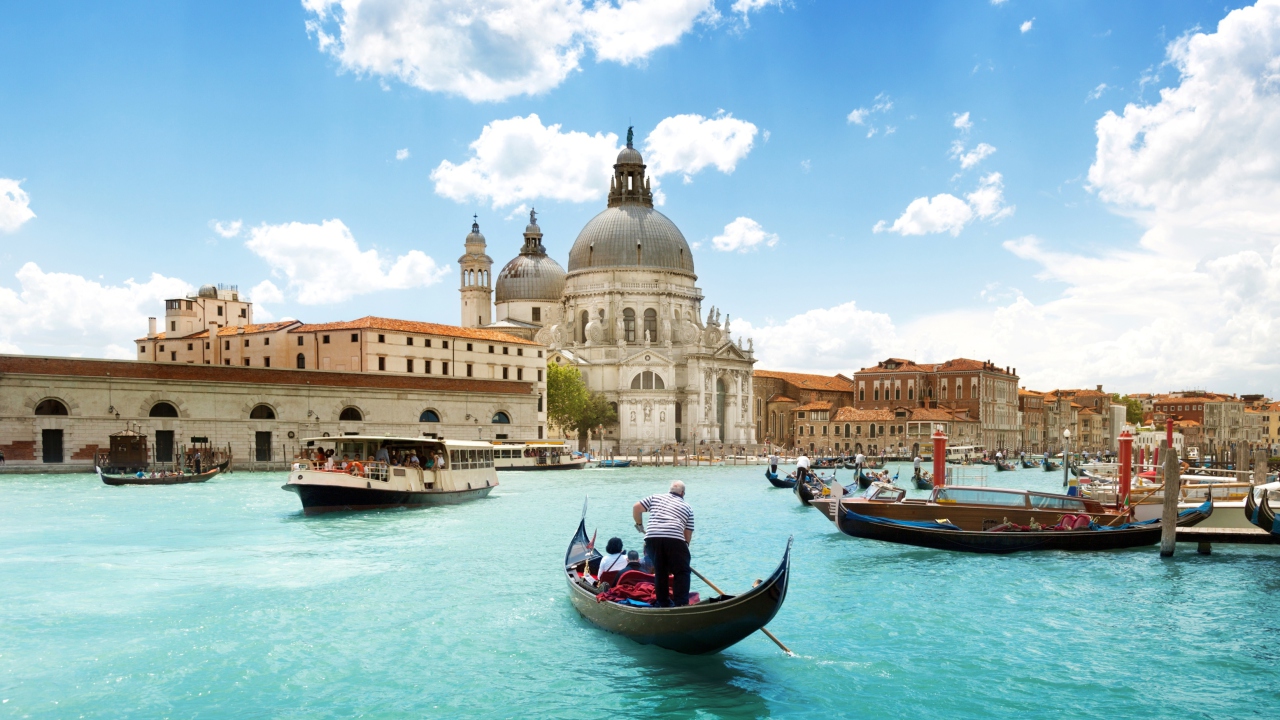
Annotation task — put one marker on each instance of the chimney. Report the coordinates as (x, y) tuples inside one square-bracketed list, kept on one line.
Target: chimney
[(1015, 371), (1099, 388), (151, 327)]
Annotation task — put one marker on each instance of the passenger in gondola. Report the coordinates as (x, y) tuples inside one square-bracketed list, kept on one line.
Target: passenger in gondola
[(668, 536), (614, 561), (633, 562)]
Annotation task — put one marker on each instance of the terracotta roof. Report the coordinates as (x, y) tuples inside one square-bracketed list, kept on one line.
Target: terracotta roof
[(162, 336), (1023, 392), (900, 365), (256, 328), (186, 372), (849, 414), (779, 397), (816, 405), (938, 415), (965, 364), (412, 326), (838, 383)]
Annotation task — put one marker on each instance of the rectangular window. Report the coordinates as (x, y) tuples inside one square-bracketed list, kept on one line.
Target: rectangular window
[(219, 311), (444, 368), (324, 340), (539, 353), (539, 376), (299, 341), (355, 337), (824, 429), (504, 373), (242, 312), (408, 341), (173, 326), (142, 348), (537, 314), (519, 373), (246, 342), (190, 346), (266, 362), (506, 351), (468, 369), (382, 338), (490, 349), (408, 365), (382, 363), (266, 341), (426, 367), (427, 343), (246, 362), (173, 355), (189, 305), (520, 352), (226, 361)]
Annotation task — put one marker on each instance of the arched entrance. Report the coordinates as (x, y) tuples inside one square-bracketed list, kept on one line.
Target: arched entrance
[(720, 395)]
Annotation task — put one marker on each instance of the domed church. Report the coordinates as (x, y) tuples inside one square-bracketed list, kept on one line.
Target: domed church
[(628, 313)]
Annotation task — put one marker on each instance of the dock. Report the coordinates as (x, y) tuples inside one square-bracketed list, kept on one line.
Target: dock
[(1205, 537)]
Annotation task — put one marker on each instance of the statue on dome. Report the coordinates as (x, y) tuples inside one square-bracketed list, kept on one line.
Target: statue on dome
[(630, 134), (533, 216)]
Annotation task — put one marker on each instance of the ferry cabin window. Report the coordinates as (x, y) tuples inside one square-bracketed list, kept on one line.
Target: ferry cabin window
[(982, 497), (1056, 503)]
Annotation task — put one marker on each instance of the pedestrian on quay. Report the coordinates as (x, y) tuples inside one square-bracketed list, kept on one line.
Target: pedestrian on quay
[(668, 536)]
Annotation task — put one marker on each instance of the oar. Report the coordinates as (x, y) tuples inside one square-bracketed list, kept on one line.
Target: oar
[(764, 630)]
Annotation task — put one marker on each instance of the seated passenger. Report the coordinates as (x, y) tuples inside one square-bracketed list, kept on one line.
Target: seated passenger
[(413, 460), (346, 462), (633, 562), (615, 560)]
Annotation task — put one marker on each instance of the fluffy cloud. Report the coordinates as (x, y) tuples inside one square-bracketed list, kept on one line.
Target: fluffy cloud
[(743, 234), (862, 116), (962, 122), (495, 49), (1026, 26), (402, 154), (14, 205), (63, 314), (827, 340), (987, 202), (925, 216), (520, 159), (226, 229), (972, 157), (323, 264), (686, 144)]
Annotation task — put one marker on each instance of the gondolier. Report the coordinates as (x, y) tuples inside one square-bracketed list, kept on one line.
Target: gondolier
[(916, 464), (667, 537), (773, 462)]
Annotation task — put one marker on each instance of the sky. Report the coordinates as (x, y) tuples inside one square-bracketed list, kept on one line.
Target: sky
[(1086, 191)]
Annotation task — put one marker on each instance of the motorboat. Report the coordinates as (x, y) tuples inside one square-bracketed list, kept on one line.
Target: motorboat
[(536, 456)]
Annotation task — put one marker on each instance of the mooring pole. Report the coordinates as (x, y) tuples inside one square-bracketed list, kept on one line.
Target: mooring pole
[(1126, 458), (1172, 487), (939, 457)]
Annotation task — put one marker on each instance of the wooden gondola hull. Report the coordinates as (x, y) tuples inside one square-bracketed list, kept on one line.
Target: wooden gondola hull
[(786, 483), (803, 493), (317, 499), (871, 528), (923, 484), (707, 627), (170, 480), (1262, 514)]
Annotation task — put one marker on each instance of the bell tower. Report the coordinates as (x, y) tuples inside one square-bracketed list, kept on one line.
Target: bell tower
[(477, 286), (629, 186)]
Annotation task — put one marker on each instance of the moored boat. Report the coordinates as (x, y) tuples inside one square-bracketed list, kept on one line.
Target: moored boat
[(448, 472), (533, 456), (155, 478), (1008, 538), (976, 508), (705, 627), (614, 463), (1260, 513)]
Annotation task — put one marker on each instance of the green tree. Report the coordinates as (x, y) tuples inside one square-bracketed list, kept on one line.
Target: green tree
[(1133, 408), (596, 412), (567, 395)]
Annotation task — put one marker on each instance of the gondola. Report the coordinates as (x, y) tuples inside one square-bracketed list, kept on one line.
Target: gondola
[(923, 483), (1261, 514), (707, 627), (125, 479), (1027, 464), (786, 482), (941, 535), (1004, 466), (803, 492), (1050, 466)]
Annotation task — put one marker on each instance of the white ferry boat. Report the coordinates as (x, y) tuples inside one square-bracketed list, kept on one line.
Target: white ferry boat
[(351, 477), (536, 456)]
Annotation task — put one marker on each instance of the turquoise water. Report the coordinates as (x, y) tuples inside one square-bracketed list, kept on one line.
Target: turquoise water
[(222, 600)]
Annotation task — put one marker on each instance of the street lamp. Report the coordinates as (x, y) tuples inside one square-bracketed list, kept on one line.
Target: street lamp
[(1066, 455)]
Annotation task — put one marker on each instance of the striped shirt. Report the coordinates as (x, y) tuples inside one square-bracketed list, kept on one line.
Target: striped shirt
[(669, 516)]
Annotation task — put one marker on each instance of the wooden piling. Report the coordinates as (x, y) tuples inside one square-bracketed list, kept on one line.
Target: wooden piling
[(1172, 488)]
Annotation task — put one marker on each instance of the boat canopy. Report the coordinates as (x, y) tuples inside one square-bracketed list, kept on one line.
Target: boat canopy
[(393, 440)]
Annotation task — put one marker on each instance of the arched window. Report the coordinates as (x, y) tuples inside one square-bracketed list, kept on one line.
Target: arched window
[(651, 325), (501, 418), (350, 414), (582, 326), (51, 407), (262, 412), (846, 429), (302, 361), (862, 394), (911, 393), (877, 393), (163, 410), (647, 380), (429, 416), (629, 325), (897, 393)]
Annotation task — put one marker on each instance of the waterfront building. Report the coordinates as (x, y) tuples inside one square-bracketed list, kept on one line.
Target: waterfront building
[(1031, 420), (1088, 414), (55, 413), (781, 396), (628, 313), (980, 390), (1221, 418)]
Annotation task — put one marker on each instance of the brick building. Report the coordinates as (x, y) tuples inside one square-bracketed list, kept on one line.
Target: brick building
[(780, 397)]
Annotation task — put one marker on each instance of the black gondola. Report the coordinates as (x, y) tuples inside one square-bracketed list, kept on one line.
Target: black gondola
[(1261, 514), (923, 483), (1027, 464), (707, 627), (945, 536), (1004, 466), (167, 479), (1050, 466), (786, 482)]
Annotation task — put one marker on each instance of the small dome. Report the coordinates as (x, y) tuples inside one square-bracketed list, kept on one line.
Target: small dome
[(530, 277), (532, 229), (631, 236), (208, 291), (630, 155), (475, 236)]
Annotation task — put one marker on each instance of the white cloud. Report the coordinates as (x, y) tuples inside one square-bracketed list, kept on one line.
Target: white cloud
[(323, 264), (261, 294), (226, 229), (14, 205), (1097, 92), (962, 122), (827, 340), (1026, 26), (742, 7), (402, 154), (489, 50), (998, 2), (987, 201), (968, 159), (860, 116), (925, 216), (857, 116), (743, 234), (519, 159), (687, 144), (63, 314)]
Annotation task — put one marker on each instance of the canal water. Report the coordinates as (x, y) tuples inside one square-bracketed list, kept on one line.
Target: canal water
[(222, 600)]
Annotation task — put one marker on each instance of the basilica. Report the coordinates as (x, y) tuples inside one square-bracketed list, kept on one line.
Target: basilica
[(628, 314)]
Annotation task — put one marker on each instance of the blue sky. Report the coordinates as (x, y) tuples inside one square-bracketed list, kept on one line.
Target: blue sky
[(129, 130)]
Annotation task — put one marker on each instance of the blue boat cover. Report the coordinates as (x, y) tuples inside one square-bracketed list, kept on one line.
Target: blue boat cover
[(1204, 507), (921, 524)]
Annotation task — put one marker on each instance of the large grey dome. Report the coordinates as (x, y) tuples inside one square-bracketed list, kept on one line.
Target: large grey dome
[(634, 236), (530, 277)]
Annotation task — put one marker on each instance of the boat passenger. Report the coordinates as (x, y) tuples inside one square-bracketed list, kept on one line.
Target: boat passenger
[(633, 562), (413, 459), (383, 454), (670, 531), (356, 467), (615, 560)]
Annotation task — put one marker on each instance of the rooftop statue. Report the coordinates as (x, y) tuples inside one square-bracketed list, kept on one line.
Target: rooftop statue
[(533, 216), (630, 134)]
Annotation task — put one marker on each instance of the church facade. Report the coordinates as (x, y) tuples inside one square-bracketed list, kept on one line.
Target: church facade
[(628, 313)]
